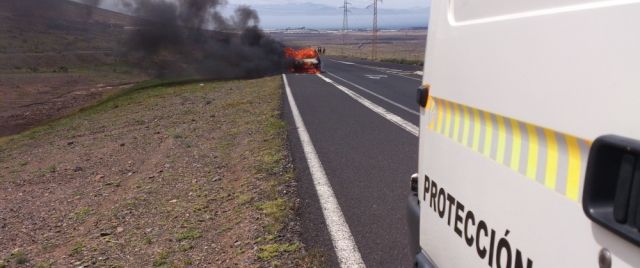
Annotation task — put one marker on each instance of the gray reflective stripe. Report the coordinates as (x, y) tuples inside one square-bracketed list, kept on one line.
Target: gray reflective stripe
[(542, 155), (447, 119), (585, 147), (483, 132), (558, 164), (460, 123), (452, 119), (508, 142), (524, 159), (563, 157), (472, 128), (494, 135)]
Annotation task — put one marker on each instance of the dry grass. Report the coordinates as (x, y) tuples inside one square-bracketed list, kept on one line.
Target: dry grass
[(407, 46), (182, 176)]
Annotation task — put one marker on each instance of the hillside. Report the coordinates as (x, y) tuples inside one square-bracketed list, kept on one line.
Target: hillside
[(37, 33), (57, 56)]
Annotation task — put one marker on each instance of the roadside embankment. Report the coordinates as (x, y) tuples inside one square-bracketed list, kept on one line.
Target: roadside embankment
[(194, 175)]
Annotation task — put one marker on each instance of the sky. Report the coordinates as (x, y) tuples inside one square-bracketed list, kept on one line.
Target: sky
[(326, 14)]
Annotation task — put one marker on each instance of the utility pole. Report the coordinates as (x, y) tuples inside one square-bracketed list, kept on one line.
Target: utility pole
[(345, 23), (374, 42)]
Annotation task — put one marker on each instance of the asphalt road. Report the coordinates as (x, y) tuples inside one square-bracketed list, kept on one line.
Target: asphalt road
[(367, 157)]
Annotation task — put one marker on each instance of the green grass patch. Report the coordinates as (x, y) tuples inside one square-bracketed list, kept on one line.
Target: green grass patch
[(277, 211), (44, 264), (19, 257), (244, 198), (267, 252), (51, 169), (271, 162), (190, 234), (184, 247), (162, 260), (275, 126), (77, 249), (265, 238), (81, 214)]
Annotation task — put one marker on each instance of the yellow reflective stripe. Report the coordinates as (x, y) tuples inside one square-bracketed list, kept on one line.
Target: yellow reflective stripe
[(502, 139), (465, 128), (551, 174), (439, 106), (516, 149), (429, 108), (476, 130), (574, 168), (456, 122), (447, 122), (429, 103), (532, 156), (488, 135), (563, 176)]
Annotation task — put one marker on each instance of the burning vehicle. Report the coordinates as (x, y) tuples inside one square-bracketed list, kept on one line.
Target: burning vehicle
[(305, 60)]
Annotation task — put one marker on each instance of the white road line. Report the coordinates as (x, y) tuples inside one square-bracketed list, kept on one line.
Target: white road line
[(379, 69), (375, 94), (404, 124), (343, 243), (344, 62), (409, 77)]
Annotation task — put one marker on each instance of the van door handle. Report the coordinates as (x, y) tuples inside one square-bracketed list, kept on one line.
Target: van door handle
[(622, 198), (612, 186)]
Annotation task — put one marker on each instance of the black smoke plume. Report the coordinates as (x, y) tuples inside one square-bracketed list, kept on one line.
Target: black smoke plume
[(193, 38)]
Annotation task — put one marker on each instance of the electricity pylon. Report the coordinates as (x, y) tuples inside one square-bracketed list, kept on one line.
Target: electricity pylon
[(374, 42), (345, 23)]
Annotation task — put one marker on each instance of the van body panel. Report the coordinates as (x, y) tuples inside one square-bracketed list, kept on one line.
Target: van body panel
[(574, 71), (569, 67)]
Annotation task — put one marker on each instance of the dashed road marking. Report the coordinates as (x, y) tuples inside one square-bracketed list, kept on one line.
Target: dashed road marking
[(344, 62), (375, 76), (375, 94), (404, 124), (396, 72), (343, 242)]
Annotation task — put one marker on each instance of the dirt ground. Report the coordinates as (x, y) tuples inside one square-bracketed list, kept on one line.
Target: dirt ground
[(56, 57), (30, 99), (187, 176)]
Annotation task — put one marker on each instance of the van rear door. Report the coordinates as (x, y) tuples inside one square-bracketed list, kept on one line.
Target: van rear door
[(520, 90)]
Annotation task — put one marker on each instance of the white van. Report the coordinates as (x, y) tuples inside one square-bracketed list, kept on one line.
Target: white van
[(529, 151)]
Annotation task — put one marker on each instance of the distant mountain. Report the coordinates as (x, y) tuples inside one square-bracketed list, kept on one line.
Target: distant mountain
[(313, 9), (326, 16)]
